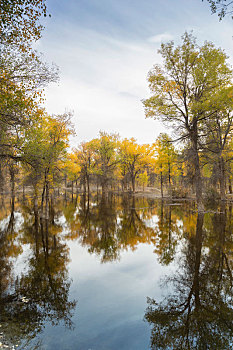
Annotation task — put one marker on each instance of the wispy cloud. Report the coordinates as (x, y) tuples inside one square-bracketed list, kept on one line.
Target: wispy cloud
[(105, 49), (104, 84), (158, 38)]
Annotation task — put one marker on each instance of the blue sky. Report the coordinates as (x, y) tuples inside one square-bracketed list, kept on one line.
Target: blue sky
[(105, 48)]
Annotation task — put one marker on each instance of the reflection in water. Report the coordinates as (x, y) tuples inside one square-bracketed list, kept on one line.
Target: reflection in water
[(41, 293), (110, 225), (198, 313)]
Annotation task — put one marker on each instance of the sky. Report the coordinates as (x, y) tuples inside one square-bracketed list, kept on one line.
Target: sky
[(104, 50)]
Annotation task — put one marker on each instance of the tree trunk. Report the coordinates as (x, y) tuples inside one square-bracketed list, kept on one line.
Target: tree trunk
[(12, 176), (169, 179), (230, 186), (133, 184), (88, 185), (1, 179), (161, 183), (72, 184), (43, 194), (196, 163), (23, 192), (47, 201), (104, 187), (222, 180), (65, 181)]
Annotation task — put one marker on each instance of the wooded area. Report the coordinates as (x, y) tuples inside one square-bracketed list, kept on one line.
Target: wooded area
[(191, 92)]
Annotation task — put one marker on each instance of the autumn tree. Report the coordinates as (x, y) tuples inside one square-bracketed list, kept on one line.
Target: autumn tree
[(22, 78), (187, 91), (217, 145), (143, 179), (19, 21), (134, 158), (72, 168), (106, 158), (23, 74), (166, 156), (45, 148), (85, 154)]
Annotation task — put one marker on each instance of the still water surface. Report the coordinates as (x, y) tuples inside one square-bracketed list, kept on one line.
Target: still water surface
[(115, 273)]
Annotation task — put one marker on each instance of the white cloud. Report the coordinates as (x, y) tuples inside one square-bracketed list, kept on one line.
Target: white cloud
[(104, 85), (103, 73), (160, 37)]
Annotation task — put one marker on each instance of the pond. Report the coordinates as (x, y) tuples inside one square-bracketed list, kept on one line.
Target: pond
[(113, 273)]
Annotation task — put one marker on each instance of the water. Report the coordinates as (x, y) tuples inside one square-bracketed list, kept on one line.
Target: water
[(115, 273)]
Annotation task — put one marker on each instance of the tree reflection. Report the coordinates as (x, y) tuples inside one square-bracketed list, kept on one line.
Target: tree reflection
[(40, 294), (98, 228), (110, 225), (198, 314), (167, 234)]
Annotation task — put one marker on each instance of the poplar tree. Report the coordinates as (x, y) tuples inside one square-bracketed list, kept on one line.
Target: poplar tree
[(188, 90)]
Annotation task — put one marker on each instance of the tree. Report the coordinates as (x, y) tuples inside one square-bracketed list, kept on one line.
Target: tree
[(187, 91), (22, 72), (216, 146), (19, 21), (134, 158), (44, 149), (72, 168), (22, 77), (85, 155), (221, 7), (165, 164), (143, 179), (106, 158)]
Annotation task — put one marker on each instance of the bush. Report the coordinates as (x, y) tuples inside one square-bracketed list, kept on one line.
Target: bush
[(179, 192)]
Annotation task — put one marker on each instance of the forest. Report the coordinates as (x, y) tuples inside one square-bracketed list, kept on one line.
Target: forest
[(131, 240), (191, 93)]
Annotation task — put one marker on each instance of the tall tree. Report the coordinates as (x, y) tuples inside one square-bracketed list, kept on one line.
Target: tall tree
[(188, 91), (216, 146), (22, 78)]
